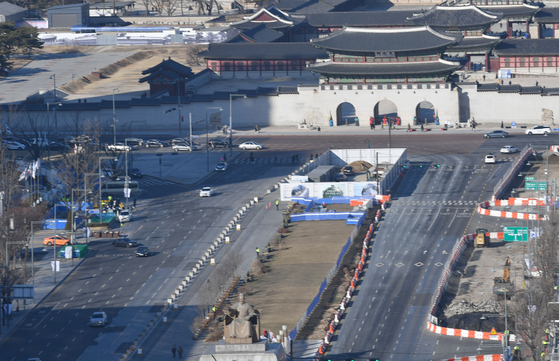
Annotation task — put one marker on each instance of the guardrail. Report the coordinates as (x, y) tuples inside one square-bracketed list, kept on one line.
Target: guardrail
[(504, 183)]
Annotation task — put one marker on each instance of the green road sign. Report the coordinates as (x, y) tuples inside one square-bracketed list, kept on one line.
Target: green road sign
[(536, 186), (529, 178), (515, 234)]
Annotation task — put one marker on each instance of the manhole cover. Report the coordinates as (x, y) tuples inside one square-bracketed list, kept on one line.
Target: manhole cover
[(418, 264), (380, 264)]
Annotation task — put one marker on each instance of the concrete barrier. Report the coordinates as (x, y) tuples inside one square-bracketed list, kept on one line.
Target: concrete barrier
[(251, 203), (169, 300)]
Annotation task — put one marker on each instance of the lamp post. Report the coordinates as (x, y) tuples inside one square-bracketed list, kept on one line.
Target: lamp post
[(73, 85), (85, 175), (72, 208), (126, 181), (177, 80), (115, 90), (53, 77), (54, 242), (101, 188), (32, 248), (231, 121), (207, 136)]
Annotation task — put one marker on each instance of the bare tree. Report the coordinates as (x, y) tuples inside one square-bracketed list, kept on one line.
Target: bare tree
[(530, 307), (148, 5), (192, 51), (170, 6)]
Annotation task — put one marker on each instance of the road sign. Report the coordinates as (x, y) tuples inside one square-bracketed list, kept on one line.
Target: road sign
[(536, 186), (513, 124), (493, 331), (515, 234), (529, 178), (215, 118)]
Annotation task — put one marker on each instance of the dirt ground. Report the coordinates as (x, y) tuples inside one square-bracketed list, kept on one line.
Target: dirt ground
[(473, 276), (295, 273)]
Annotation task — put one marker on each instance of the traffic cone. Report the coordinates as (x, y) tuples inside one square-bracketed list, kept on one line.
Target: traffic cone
[(266, 206)]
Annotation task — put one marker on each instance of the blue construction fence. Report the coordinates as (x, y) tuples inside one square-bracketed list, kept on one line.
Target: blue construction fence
[(350, 217), (324, 283), (49, 224)]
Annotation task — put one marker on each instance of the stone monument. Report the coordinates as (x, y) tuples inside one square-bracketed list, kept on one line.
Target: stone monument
[(241, 337)]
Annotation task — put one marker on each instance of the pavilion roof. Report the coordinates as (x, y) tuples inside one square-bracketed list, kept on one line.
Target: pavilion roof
[(384, 69), (457, 17), (285, 50)]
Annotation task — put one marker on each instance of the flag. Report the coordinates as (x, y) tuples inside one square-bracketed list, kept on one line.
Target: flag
[(34, 168)]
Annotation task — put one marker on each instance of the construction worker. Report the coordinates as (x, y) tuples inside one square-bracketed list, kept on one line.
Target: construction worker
[(277, 204), (214, 309), (257, 252), (516, 350)]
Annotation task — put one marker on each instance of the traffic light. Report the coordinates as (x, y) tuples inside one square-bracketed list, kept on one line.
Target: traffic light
[(182, 118)]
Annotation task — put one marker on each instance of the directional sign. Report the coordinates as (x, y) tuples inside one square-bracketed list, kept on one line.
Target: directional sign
[(515, 234), (530, 178), (536, 186)]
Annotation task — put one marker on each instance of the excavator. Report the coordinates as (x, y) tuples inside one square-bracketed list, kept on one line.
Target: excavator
[(503, 284)]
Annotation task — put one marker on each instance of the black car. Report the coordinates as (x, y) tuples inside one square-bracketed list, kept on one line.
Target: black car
[(125, 242), (135, 173), (348, 170), (59, 147), (218, 143), (142, 251)]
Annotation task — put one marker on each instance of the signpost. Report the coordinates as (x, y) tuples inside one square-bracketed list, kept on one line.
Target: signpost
[(536, 186), (529, 178), (515, 234)]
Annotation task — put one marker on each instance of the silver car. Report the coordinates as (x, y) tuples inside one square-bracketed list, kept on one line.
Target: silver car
[(181, 146), (496, 134), (98, 319)]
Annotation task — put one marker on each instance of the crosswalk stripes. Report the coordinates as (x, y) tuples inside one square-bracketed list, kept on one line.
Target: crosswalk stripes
[(153, 181), (263, 161)]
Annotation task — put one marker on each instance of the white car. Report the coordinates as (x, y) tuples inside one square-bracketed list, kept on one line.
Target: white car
[(13, 145), (125, 216), (119, 146), (490, 158), (251, 145), (539, 129), (206, 192), (508, 149), (181, 146)]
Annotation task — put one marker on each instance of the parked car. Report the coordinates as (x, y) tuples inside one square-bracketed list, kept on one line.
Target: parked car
[(98, 319), (15, 145), (251, 145), (218, 143), (59, 240), (119, 146), (142, 251), (154, 143), (221, 166), (508, 149), (206, 192), (340, 177), (60, 147), (539, 129), (125, 242), (181, 146), (125, 216), (490, 158), (349, 170), (134, 141), (135, 173)]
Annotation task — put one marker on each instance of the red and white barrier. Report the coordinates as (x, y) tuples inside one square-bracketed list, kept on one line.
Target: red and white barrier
[(463, 333), (477, 358), (483, 208)]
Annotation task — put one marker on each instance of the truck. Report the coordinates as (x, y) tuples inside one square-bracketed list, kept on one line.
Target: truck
[(482, 240)]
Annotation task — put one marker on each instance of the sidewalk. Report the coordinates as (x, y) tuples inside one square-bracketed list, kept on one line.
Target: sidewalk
[(43, 279)]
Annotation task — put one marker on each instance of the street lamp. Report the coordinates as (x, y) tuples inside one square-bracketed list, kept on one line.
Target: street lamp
[(178, 82), (54, 241), (73, 86), (85, 175), (115, 90), (207, 132), (101, 188), (53, 77), (231, 121)]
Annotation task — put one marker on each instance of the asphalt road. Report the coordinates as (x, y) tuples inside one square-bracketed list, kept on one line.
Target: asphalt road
[(389, 311), (432, 207)]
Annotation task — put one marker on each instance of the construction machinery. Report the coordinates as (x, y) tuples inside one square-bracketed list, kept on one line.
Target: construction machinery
[(503, 284), (482, 239)]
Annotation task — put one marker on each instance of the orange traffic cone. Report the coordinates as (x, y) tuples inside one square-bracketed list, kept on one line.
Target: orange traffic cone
[(266, 206)]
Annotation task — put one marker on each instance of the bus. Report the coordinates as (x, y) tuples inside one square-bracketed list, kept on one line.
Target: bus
[(116, 188)]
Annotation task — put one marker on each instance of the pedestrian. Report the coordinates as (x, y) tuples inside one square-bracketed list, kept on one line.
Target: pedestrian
[(251, 158), (315, 155), (311, 156), (257, 252), (382, 125), (473, 125), (421, 126), (134, 202), (256, 128), (409, 127), (174, 350), (293, 158), (483, 77), (225, 157), (277, 204), (372, 123), (180, 351), (502, 124), (373, 126), (276, 159), (297, 157)]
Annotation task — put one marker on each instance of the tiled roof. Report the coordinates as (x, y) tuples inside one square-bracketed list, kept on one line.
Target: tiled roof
[(550, 91), (512, 10), (547, 15), (360, 19), (455, 17), (289, 4), (109, 104), (312, 7), (511, 47), (484, 87), (383, 69), (271, 17), (530, 90), (510, 88), (8, 9), (384, 40), (171, 65), (158, 73), (472, 42), (258, 34), (263, 51)]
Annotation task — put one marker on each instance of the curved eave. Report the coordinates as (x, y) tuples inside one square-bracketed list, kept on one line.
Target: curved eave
[(481, 19), (513, 11), (472, 43), (374, 69)]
